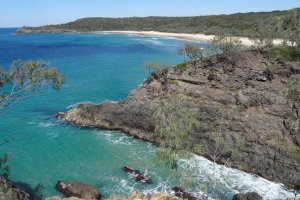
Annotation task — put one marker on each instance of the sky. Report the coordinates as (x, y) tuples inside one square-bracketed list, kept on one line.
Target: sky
[(17, 13)]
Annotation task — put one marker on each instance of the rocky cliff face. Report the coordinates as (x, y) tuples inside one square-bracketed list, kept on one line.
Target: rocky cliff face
[(240, 93), (10, 192)]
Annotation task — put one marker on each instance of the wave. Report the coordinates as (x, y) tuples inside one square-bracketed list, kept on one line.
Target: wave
[(77, 104), (221, 179), (116, 138)]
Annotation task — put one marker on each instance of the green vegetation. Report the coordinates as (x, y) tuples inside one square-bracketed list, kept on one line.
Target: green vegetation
[(239, 24), (174, 127), (190, 52), (292, 89), (286, 53), (181, 66), (25, 78), (152, 67)]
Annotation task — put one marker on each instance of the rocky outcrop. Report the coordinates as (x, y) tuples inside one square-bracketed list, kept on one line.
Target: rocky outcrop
[(78, 189), (247, 196), (137, 175), (240, 97), (139, 196), (60, 198), (10, 192), (179, 192)]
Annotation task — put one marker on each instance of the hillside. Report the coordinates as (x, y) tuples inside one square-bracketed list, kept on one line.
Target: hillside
[(240, 24), (241, 98)]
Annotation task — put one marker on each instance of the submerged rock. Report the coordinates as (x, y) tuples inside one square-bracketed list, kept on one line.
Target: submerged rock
[(10, 192), (78, 189), (247, 196), (251, 109)]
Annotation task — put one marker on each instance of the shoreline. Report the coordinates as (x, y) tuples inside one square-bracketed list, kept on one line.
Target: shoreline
[(183, 36)]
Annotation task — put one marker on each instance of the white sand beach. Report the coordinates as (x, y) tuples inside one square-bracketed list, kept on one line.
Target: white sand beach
[(185, 36)]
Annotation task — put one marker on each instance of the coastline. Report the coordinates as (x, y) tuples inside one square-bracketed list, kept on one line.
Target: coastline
[(184, 36)]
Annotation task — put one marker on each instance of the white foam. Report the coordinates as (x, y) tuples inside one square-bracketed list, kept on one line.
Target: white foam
[(47, 124), (77, 104), (231, 180)]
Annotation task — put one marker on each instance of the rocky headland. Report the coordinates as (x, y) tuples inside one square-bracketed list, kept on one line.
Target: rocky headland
[(241, 94)]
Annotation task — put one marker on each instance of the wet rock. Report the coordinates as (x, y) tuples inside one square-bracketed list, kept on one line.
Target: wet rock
[(247, 196), (78, 189), (138, 176), (179, 192), (60, 115)]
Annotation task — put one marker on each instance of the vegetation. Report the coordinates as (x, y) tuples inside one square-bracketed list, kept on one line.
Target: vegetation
[(152, 67), (287, 53), (190, 52), (174, 127), (25, 78), (292, 89), (239, 24), (290, 25)]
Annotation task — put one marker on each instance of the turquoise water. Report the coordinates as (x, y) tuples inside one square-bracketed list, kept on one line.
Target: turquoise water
[(97, 68)]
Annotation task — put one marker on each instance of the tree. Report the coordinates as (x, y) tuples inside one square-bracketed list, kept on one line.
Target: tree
[(25, 78), (291, 27), (152, 67), (174, 126), (190, 52), (225, 45)]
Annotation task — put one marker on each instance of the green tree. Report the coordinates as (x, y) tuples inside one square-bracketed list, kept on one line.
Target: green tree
[(25, 78), (225, 45), (291, 27), (190, 52), (174, 127)]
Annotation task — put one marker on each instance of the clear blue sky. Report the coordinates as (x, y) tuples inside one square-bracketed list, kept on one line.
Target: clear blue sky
[(16, 13)]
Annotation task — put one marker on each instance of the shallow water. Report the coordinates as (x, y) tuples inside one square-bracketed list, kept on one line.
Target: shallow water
[(97, 68)]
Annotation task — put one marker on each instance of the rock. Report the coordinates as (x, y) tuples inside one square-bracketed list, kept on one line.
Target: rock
[(138, 176), (160, 196), (60, 115), (10, 192), (179, 192), (59, 198), (294, 198), (247, 196), (135, 196), (78, 189), (251, 111), (118, 198)]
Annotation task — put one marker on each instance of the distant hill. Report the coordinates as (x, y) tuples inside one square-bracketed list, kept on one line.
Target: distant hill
[(239, 24)]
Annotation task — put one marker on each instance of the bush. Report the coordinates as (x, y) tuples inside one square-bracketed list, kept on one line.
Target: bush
[(181, 66), (286, 53)]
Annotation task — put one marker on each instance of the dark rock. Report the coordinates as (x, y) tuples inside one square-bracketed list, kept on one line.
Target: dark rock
[(60, 115), (247, 196), (9, 191), (138, 176), (179, 192), (250, 111), (77, 189)]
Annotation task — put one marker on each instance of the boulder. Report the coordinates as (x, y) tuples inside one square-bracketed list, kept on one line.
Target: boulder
[(160, 196), (247, 196), (78, 189), (118, 198)]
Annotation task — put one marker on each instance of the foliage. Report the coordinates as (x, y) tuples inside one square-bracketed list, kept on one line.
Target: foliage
[(239, 24), (152, 67), (225, 45), (291, 26), (190, 52), (4, 168), (25, 78), (287, 53), (174, 127), (292, 89), (181, 66)]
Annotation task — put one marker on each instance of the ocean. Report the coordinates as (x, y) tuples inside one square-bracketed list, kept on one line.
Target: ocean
[(98, 68)]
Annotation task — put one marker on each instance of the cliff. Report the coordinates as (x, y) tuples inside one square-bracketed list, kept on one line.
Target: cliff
[(240, 93)]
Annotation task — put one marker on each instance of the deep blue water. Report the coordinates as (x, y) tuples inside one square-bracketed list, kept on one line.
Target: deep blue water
[(97, 68)]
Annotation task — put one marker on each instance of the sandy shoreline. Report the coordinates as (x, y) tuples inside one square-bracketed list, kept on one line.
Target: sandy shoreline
[(185, 36)]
